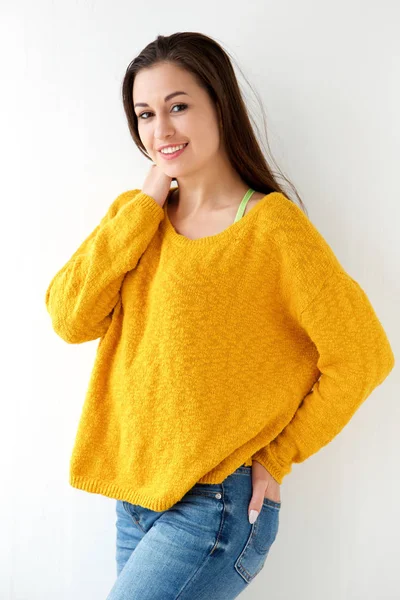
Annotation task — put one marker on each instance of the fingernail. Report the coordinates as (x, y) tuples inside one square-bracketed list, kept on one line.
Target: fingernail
[(253, 516)]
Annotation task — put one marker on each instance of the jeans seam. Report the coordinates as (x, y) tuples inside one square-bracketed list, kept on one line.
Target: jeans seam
[(222, 520), (212, 549)]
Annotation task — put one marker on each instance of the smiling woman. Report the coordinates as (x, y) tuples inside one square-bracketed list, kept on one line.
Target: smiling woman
[(185, 139), (233, 344), (188, 87)]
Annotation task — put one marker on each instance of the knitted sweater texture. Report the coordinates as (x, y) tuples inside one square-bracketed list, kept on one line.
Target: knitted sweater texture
[(251, 344)]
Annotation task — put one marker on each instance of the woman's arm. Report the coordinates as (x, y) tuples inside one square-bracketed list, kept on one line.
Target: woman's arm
[(355, 357), (82, 295)]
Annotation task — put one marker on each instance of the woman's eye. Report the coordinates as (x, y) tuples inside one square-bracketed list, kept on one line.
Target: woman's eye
[(184, 106), (149, 113)]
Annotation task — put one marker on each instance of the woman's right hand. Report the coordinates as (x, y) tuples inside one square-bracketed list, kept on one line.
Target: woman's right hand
[(157, 184)]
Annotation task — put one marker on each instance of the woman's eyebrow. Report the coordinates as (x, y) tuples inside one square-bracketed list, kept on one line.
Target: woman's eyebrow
[(165, 99)]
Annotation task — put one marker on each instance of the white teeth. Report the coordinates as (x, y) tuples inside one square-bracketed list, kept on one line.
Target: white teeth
[(172, 149)]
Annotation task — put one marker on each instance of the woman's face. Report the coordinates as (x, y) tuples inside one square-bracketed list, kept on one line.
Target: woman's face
[(185, 118)]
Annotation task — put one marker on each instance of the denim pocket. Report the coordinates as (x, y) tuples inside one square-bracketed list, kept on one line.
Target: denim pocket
[(130, 510), (143, 518), (261, 537)]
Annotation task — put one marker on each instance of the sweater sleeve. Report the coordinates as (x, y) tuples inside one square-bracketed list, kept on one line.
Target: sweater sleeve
[(83, 293), (354, 358)]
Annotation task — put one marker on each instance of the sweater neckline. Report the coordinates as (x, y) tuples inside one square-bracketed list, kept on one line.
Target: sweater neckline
[(228, 232)]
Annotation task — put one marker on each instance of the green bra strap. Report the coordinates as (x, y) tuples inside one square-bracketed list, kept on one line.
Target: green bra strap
[(243, 204)]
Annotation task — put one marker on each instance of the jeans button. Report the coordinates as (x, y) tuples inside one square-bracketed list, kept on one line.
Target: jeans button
[(218, 495)]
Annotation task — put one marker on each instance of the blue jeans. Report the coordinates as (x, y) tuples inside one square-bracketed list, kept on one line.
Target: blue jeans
[(202, 547)]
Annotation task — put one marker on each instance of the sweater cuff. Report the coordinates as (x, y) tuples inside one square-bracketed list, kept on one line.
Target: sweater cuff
[(268, 460)]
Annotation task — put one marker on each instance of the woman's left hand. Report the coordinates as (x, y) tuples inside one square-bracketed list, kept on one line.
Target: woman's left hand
[(264, 486)]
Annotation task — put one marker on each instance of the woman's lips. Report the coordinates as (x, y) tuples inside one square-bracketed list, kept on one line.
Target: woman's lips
[(174, 154)]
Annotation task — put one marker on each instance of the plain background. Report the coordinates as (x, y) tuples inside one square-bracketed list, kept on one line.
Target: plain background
[(327, 74)]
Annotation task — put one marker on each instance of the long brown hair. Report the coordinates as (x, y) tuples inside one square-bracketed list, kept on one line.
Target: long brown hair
[(211, 66)]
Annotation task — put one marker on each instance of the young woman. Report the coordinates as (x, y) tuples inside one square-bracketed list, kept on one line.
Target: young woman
[(232, 341)]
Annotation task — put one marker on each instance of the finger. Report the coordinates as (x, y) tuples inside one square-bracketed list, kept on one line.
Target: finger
[(256, 503)]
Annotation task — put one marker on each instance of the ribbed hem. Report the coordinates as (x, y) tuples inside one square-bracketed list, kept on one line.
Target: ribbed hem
[(121, 493), (113, 490)]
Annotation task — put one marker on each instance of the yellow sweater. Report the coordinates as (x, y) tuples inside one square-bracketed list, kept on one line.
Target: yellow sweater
[(253, 343)]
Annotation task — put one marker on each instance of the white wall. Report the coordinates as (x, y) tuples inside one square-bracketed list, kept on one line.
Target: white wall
[(328, 76)]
